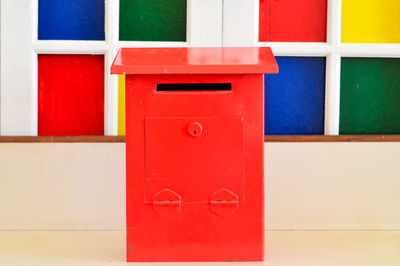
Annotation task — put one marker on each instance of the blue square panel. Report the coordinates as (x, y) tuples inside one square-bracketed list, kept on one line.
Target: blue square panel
[(71, 20), (295, 98)]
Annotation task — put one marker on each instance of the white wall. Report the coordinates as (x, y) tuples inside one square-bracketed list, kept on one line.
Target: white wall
[(309, 186), (333, 185), (62, 186)]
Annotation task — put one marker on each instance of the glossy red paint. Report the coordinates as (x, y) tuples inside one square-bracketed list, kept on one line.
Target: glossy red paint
[(215, 60), (293, 20), (71, 95), (195, 178)]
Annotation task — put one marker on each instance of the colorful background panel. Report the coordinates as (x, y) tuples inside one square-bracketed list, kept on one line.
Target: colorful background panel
[(71, 95), (370, 96), (71, 20), (295, 98), (293, 20), (152, 20), (121, 105), (371, 21)]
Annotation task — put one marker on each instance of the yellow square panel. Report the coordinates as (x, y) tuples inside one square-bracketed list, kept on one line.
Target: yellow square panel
[(121, 105), (371, 21)]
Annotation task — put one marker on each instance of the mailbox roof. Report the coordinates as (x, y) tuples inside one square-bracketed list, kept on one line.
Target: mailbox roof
[(213, 60)]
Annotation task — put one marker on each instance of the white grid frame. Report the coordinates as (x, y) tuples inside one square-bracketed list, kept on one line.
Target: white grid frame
[(209, 23), (204, 28), (333, 50)]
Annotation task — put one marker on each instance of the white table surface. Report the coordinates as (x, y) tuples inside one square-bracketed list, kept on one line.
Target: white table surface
[(286, 248)]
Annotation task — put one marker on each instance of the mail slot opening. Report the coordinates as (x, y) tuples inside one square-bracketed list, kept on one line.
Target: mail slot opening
[(195, 87)]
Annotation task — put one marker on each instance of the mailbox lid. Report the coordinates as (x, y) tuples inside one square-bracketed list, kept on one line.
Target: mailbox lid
[(210, 60)]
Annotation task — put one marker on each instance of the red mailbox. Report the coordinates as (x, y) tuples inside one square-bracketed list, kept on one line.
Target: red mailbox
[(194, 152)]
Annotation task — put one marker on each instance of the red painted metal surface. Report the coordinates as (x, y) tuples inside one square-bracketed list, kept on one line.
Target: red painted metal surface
[(226, 60), (293, 20), (71, 95), (195, 178), (263, 28), (208, 149)]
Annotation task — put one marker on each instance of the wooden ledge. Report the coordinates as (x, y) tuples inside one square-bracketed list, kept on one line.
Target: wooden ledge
[(275, 138), (66, 139), (326, 138)]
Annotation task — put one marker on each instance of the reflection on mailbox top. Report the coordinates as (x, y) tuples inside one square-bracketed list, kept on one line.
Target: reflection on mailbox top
[(215, 60)]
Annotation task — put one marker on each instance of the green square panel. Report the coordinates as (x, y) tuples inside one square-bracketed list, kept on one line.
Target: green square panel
[(370, 96), (152, 20)]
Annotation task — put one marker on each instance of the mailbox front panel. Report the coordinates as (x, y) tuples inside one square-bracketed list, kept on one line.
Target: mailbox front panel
[(195, 167), (194, 164)]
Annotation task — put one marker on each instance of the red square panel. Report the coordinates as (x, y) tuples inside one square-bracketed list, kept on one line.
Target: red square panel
[(293, 20), (71, 94)]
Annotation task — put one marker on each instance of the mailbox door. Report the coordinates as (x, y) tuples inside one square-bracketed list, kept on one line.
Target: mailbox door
[(194, 156)]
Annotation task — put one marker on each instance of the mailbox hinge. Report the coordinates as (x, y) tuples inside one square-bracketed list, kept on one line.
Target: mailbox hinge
[(224, 202), (166, 202)]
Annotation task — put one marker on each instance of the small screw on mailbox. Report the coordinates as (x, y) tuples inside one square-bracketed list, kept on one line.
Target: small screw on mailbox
[(194, 172)]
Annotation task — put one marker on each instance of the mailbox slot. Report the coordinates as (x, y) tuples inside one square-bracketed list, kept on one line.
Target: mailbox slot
[(176, 87)]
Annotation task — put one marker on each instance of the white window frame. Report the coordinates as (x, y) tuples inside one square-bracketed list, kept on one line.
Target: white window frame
[(334, 50), (20, 47), (209, 23)]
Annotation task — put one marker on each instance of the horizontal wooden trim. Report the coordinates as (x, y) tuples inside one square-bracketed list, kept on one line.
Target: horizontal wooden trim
[(326, 138), (67, 139), (270, 138)]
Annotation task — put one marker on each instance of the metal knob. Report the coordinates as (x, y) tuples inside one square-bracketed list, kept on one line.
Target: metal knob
[(195, 129)]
